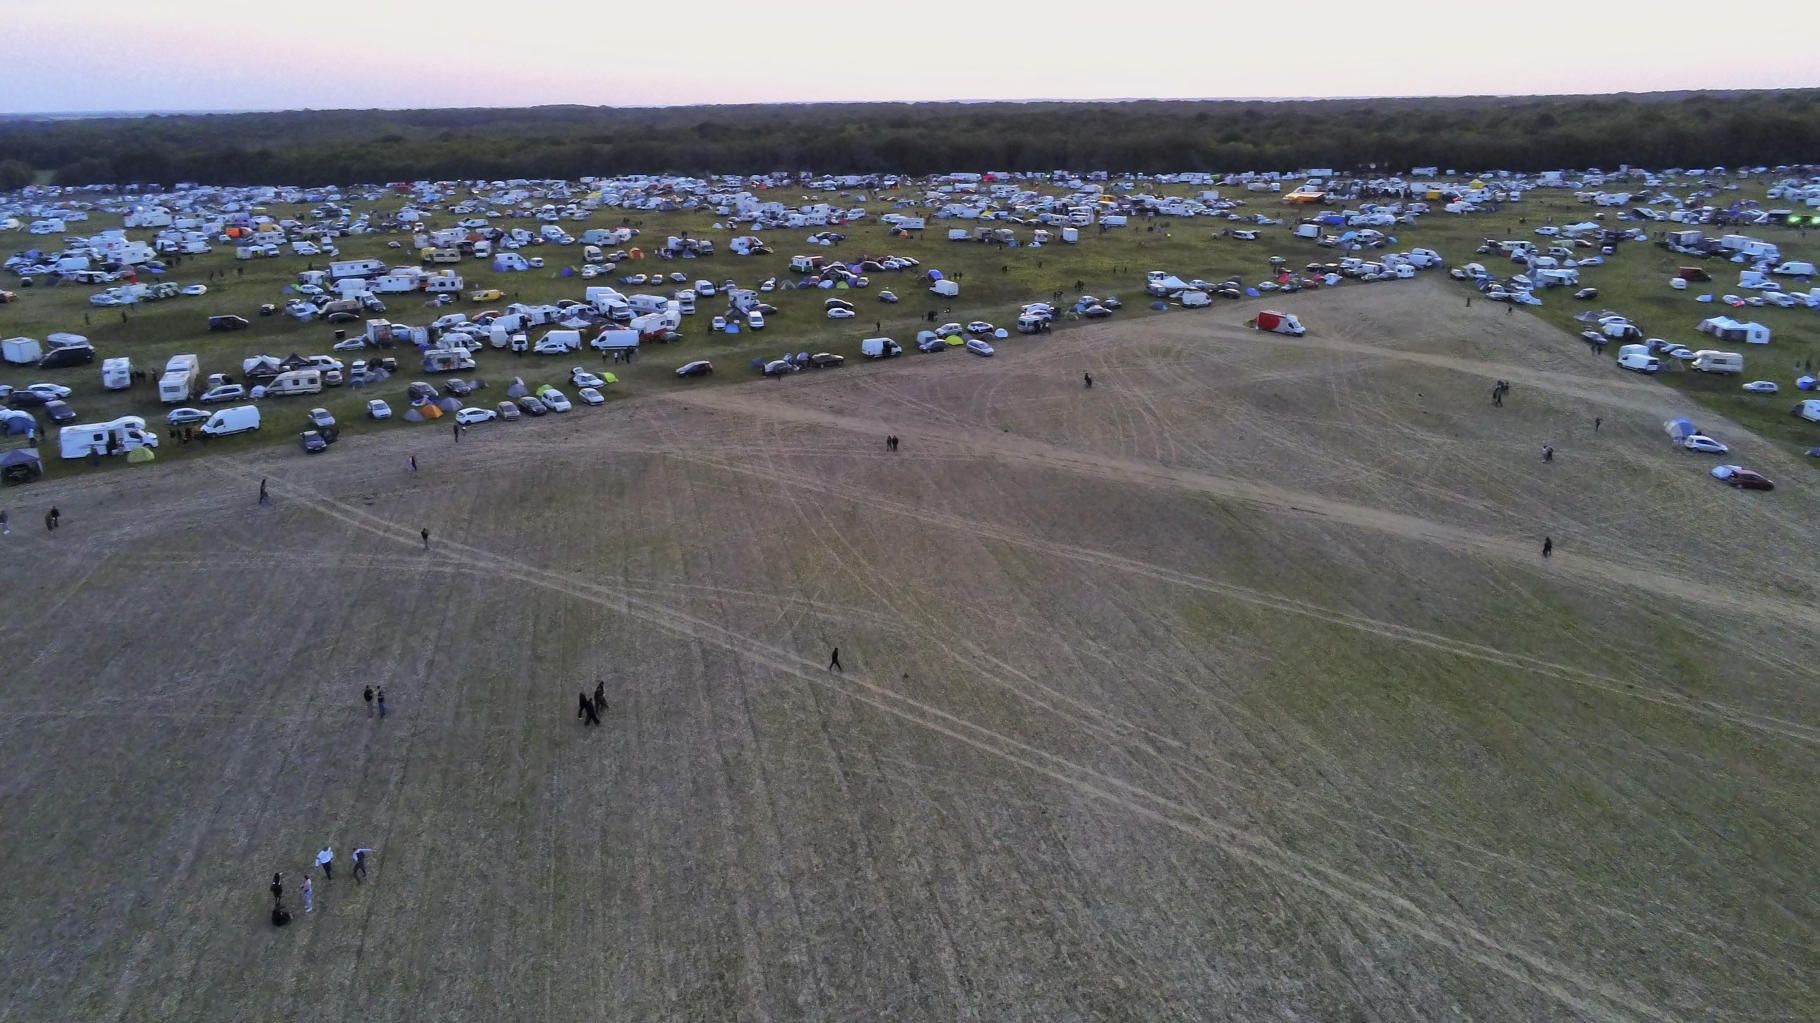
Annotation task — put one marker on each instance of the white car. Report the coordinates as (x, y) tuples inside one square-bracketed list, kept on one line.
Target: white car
[(591, 396), (470, 416), (352, 344), (535, 262), (1704, 444), (838, 313), (56, 392), (755, 320), (556, 400), (768, 284), (1762, 387), (194, 290), (226, 392), (579, 377), (551, 346), (308, 289), (978, 346), (1548, 232), (378, 409)]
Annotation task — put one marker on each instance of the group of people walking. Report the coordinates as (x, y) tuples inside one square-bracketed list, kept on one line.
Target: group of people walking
[(325, 860), (592, 707)]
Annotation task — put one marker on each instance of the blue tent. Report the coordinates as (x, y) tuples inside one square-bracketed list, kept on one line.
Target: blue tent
[(1679, 429), (935, 275), (1251, 292), (15, 423)]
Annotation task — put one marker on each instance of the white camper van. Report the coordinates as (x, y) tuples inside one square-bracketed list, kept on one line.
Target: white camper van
[(296, 381), (228, 421), (1707, 360), (111, 438), (116, 374)]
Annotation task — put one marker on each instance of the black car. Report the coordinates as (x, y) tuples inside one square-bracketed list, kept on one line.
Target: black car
[(227, 323), (59, 411), (24, 399), (458, 386), (312, 442), (66, 356), (532, 406), (825, 360), (420, 391)]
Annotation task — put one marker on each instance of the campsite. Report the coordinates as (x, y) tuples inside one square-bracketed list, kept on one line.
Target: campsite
[(1199, 657)]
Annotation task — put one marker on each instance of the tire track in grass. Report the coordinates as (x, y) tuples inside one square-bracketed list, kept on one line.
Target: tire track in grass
[(1799, 731), (1554, 980)]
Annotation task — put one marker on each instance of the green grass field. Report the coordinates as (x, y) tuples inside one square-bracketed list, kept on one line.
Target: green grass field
[(994, 282)]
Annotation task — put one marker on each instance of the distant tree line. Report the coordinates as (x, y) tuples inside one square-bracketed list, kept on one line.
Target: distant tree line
[(343, 146)]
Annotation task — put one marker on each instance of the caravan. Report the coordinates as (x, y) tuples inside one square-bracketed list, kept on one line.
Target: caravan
[(116, 374)]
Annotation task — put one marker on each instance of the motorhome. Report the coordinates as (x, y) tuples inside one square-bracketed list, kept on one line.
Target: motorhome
[(447, 360), (111, 438)]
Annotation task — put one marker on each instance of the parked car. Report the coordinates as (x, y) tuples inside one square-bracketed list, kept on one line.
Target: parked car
[(418, 391), (185, 416), (1587, 294), (1762, 387), (458, 387), (193, 290), (555, 399), (591, 396), (698, 368), (529, 405), (1742, 478), (378, 409), (51, 392), (227, 323), (1704, 444), (979, 327), (580, 377), (825, 360), (59, 411), (887, 297), (978, 346), (932, 344), (470, 416), (312, 442), (508, 411), (839, 313), (321, 419), (225, 392)]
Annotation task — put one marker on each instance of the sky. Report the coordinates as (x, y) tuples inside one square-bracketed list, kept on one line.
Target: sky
[(76, 56)]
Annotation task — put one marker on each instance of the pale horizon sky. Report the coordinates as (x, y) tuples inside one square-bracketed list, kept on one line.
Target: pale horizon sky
[(130, 55)]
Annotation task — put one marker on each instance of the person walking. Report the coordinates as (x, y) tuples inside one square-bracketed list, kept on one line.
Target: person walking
[(457, 428), (5, 530), (326, 860), (1548, 453), (834, 662), (380, 699), (1087, 378), (309, 895), (1548, 546), (361, 856), (367, 695), (413, 464), (600, 696), (1597, 421), (581, 708), (592, 711), (278, 887), (425, 533), (264, 498)]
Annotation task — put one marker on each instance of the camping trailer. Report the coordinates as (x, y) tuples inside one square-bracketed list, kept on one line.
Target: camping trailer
[(296, 381), (355, 268), (111, 438), (178, 384), (22, 350)]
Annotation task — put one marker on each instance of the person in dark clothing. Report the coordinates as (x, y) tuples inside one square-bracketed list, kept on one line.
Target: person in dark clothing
[(264, 498), (1088, 379), (280, 915), (49, 523), (367, 695), (1548, 453), (1597, 421), (457, 428), (425, 533), (600, 696), (277, 887), (593, 712), (834, 662), (56, 518), (1548, 546), (581, 708), (379, 697)]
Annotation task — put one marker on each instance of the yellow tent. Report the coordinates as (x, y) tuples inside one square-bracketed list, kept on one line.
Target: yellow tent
[(140, 455), (609, 378), (429, 411), (954, 340)]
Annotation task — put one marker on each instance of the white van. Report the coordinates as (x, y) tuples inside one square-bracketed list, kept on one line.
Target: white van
[(1194, 299), (1708, 360), (116, 374), (297, 381), (1641, 362), (238, 419)]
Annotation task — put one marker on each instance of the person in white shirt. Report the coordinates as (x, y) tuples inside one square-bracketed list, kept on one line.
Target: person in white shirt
[(325, 859)]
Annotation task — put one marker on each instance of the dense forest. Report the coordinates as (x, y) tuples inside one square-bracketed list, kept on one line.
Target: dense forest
[(340, 146)]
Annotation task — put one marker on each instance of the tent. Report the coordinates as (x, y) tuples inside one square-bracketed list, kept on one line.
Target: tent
[(140, 455), (1679, 429), (20, 465), (15, 423)]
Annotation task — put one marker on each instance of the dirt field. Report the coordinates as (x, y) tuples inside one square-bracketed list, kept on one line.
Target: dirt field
[(1232, 688)]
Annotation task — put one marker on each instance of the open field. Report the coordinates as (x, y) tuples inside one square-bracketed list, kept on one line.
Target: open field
[(1232, 688), (994, 283)]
